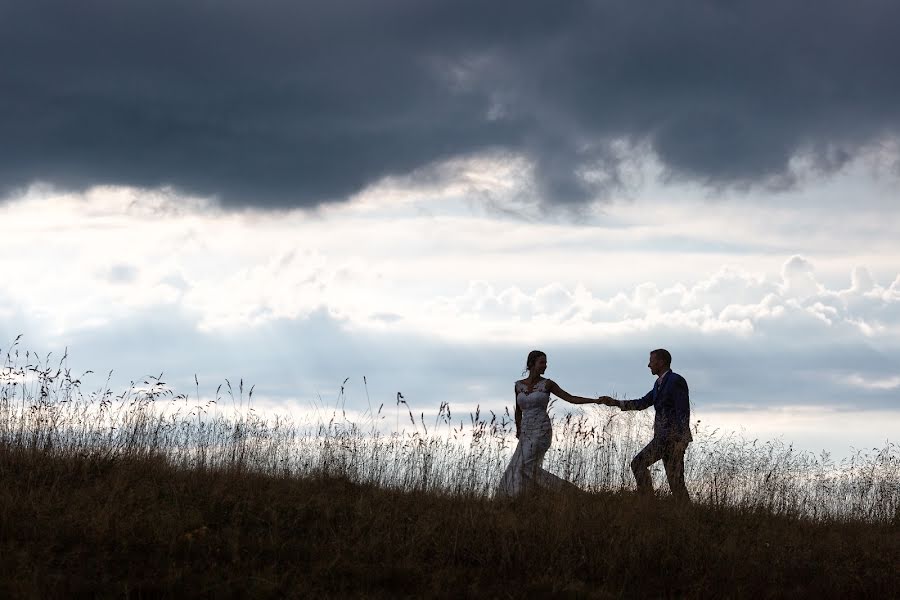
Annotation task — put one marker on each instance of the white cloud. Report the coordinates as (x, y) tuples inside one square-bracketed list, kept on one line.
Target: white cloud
[(798, 279), (455, 274), (730, 300), (452, 272), (857, 380)]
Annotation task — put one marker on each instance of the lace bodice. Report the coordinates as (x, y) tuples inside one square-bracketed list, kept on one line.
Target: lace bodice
[(537, 399)]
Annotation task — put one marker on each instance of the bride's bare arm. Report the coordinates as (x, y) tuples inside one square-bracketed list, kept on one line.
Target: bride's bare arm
[(518, 411), (561, 393)]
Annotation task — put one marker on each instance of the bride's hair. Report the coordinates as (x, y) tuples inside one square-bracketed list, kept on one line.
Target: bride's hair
[(532, 358)]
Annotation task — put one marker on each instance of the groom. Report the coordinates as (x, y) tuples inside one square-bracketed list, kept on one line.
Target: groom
[(671, 427)]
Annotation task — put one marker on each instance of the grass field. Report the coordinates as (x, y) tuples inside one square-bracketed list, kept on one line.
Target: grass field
[(141, 528), (148, 492)]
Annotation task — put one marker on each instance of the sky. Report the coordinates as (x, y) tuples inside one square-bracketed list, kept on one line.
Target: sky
[(419, 193)]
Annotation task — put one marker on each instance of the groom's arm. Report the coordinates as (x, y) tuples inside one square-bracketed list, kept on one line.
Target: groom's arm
[(681, 399), (638, 404)]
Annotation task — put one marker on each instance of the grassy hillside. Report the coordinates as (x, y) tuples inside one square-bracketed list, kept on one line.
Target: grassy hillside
[(138, 527), (149, 493)]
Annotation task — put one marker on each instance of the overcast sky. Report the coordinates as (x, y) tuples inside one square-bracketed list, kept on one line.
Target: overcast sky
[(422, 192)]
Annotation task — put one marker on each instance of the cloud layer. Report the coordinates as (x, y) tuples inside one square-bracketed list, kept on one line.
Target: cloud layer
[(445, 307), (280, 104), (730, 301)]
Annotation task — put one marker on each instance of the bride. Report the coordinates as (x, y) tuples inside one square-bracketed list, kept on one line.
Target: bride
[(533, 429)]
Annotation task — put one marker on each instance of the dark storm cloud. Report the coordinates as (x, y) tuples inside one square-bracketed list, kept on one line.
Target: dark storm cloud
[(284, 103)]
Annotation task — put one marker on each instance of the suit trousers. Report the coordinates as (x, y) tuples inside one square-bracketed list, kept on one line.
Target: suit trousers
[(671, 452)]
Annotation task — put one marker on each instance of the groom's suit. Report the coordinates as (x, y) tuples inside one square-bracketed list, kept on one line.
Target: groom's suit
[(671, 432)]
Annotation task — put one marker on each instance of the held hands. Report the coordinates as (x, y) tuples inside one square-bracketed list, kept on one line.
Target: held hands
[(607, 400)]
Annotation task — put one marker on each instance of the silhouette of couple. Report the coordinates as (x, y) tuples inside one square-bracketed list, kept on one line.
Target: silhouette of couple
[(671, 428)]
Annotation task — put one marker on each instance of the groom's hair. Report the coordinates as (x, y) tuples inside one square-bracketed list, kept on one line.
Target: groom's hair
[(663, 354)]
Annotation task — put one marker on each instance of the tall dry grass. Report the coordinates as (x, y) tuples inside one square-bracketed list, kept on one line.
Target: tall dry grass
[(45, 408)]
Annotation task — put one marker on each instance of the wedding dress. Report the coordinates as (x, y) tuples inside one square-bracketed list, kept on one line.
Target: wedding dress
[(524, 471)]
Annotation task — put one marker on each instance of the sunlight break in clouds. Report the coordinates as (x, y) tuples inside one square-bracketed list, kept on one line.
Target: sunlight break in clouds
[(450, 273)]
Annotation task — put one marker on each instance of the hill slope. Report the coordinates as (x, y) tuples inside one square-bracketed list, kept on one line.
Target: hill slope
[(141, 528)]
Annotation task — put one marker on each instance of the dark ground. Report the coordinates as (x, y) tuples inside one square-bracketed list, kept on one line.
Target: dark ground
[(141, 529)]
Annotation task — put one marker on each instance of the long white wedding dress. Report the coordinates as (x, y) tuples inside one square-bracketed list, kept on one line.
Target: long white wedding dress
[(525, 472)]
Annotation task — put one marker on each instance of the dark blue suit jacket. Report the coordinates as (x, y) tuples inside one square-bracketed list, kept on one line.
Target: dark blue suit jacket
[(673, 408)]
